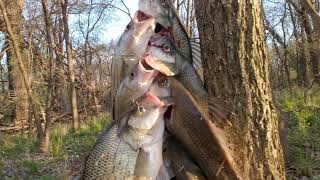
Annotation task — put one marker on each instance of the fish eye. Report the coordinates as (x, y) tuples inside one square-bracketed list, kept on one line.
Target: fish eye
[(131, 76), (141, 109), (163, 2), (163, 82), (128, 27), (166, 48)]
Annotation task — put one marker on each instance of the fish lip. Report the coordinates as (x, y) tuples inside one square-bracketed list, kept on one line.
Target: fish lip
[(144, 66), (149, 62), (154, 99), (150, 101), (149, 73), (145, 16)]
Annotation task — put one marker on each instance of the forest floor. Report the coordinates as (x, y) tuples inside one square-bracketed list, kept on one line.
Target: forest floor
[(19, 158), (299, 112), (300, 116)]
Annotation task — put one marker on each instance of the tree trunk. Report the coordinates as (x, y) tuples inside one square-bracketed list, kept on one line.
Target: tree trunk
[(44, 144), (9, 67), (21, 106), (2, 79), (95, 99), (14, 39), (313, 35), (10, 80), (285, 47), (236, 69), (3, 51), (312, 51), (302, 68), (73, 93)]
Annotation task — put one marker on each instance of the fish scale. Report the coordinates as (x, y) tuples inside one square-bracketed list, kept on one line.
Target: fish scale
[(111, 158), (191, 125), (182, 39)]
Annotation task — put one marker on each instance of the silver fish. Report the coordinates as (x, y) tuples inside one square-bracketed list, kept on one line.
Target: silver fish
[(163, 56), (111, 157), (131, 46), (134, 85), (180, 163), (165, 14), (135, 153), (145, 130), (190, 123)]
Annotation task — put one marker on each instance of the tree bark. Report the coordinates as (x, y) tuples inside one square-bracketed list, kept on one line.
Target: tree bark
[(73, 93), (2, 79), (312, 51), (24, 73), (313, 35), (3, 51), (302, 67), (285, 47), (10, 80), (236, 69), (44, 144), (21, 106)]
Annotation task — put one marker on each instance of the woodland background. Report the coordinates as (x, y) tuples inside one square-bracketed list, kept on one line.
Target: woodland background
[(49, 124)]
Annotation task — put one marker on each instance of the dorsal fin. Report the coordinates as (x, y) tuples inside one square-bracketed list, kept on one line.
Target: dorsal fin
[(196, 57)]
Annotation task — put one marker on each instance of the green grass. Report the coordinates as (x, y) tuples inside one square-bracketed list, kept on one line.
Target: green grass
[(32, 167), (302, 119), (21, 151), (64, 141), (15, 145), (47, 178)]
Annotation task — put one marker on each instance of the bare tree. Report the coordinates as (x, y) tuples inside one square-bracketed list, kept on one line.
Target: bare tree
[(2, 69), (72, 86), (16, 81), (313, 34), (44, 145), (25, 77)]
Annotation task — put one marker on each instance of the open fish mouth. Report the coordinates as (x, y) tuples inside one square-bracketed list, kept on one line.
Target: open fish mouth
[(149, 63), (141, 16), (159, 29), (168, 114), (149, 101), (145, 65), (154, 100)]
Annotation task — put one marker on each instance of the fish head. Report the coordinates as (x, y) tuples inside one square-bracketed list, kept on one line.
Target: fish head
[(161, 55), (161, 10), (152, 106), (134, 39), (137, 83), (160, 88), (133, 86), (144, 125)]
